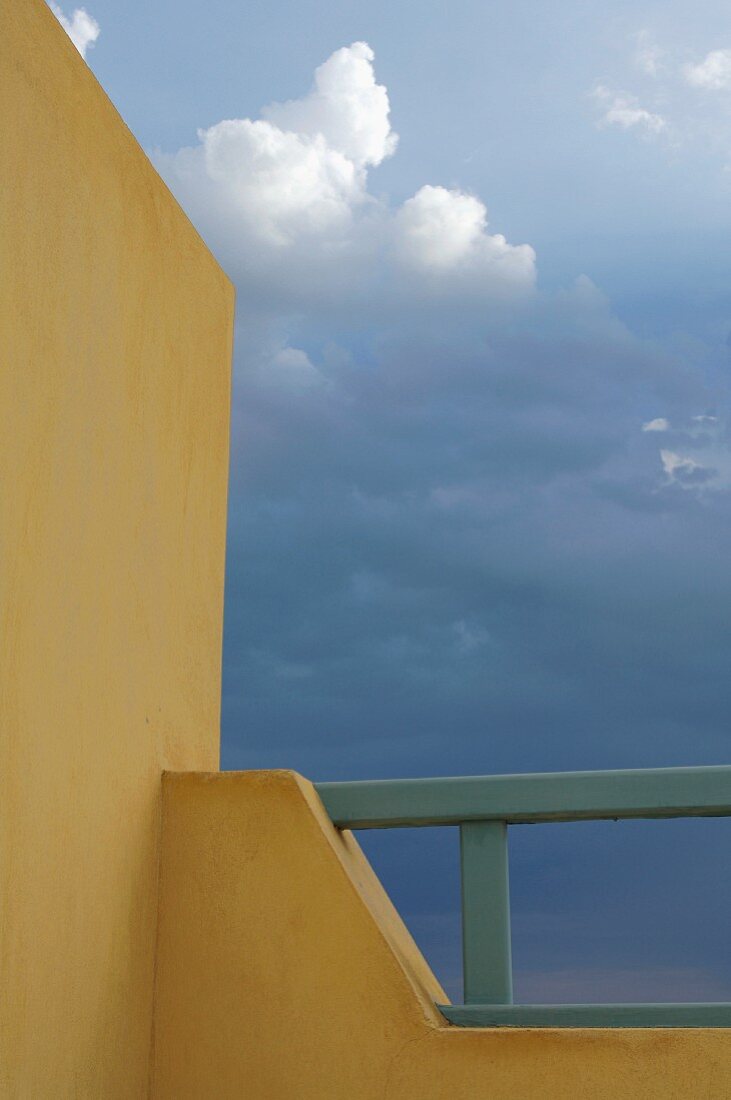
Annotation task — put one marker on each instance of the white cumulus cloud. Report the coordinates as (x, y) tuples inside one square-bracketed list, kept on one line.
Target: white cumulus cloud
[(286, 197), (346, 107), (713, 72), (82, 28), (659, 424), (280, 183), (439, 230)]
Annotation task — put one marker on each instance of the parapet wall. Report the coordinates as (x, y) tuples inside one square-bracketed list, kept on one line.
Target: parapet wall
[(284, 972), (115, 328)]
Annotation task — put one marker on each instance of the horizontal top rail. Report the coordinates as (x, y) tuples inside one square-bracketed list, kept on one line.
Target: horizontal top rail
[(530, 798)]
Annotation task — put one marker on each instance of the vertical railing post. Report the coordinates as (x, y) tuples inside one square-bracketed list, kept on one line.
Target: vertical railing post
[(486, 955)]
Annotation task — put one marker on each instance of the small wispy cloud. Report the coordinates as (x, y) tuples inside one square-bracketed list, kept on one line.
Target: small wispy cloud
[(684, 470), (659, 424), (469, 638), (82, 28), (702, 459), (649, 57), (712, 73), (678, 97), (624, 110)]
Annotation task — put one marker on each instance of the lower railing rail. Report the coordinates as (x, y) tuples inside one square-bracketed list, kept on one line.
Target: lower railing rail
[(483, 807)]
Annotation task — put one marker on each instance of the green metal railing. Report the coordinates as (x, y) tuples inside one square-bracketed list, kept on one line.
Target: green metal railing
[(483, 807)]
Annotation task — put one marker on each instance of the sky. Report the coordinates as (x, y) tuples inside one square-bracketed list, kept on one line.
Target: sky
[(481, 468)]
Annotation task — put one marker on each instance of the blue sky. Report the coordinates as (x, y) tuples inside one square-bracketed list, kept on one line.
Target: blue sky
[(479, 510)]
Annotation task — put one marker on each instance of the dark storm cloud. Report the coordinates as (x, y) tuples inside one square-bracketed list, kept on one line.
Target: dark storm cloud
[(488, 519), (465, 557)]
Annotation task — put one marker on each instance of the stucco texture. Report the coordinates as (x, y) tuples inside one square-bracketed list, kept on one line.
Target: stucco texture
[(223, 940), (115, 327), (284, 972)]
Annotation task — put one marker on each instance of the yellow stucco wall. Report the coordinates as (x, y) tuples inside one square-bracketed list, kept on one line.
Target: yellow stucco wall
[(284, 974), (115, 330), (274, 966)]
